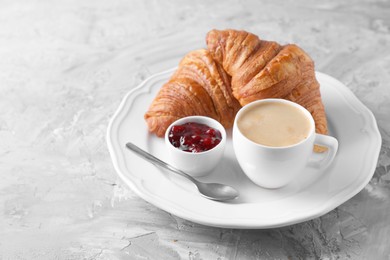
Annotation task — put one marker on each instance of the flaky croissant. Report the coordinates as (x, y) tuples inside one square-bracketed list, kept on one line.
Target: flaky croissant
[(199, 86), (264, 69)]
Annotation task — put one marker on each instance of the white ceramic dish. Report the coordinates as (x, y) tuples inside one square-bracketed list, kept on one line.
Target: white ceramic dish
[(196, 164), (311, 196), (274, 167)]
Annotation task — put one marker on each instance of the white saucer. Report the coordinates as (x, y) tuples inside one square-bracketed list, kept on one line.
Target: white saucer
[(311, 196)]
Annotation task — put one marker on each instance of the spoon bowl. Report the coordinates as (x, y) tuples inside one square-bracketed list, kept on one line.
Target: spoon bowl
[(212, 191), (217, 191)]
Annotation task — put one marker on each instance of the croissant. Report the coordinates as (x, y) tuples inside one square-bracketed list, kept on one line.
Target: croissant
[(199, 86), (264, 69)]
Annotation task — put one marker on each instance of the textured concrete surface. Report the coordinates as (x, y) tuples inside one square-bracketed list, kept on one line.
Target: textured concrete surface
[(64, 68)]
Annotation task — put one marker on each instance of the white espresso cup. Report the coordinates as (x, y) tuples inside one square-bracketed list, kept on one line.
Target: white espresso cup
[(275, 166)]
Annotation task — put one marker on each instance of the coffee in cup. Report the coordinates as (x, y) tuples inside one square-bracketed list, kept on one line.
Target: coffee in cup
[(274, 124), (273, 141)]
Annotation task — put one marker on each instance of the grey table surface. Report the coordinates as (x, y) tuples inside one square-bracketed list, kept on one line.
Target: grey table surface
[(66, 65)]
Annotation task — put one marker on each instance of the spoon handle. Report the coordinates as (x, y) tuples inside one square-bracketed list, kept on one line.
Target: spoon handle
[(157, 161)]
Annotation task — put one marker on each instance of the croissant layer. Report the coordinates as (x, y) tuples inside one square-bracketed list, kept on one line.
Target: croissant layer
[(236, 68), (263, 69), (200, 86)]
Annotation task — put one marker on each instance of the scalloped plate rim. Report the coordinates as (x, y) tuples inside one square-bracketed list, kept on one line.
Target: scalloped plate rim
[(246, 223)]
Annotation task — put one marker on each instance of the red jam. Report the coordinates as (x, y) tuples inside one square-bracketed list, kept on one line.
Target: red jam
[(194, 137)]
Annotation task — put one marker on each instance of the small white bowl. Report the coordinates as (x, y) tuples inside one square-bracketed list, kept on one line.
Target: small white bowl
[(196, 164)]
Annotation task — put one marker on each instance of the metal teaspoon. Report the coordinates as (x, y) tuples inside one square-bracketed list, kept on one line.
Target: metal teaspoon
[(212, 191)]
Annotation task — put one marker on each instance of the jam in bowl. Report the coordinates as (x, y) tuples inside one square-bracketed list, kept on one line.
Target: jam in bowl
[(194, 137), (195, 144)]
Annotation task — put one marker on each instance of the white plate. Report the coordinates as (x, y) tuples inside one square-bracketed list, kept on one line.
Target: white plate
[(311, 196)]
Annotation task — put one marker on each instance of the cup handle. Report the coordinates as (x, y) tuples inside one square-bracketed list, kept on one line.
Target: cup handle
[(332, 144)]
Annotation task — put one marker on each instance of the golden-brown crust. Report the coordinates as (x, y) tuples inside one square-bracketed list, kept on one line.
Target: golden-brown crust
[(198, 87), (237, 68), (262, 69)]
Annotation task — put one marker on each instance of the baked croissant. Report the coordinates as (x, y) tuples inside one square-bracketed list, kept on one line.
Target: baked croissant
[(199, 86), (264, 69)]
